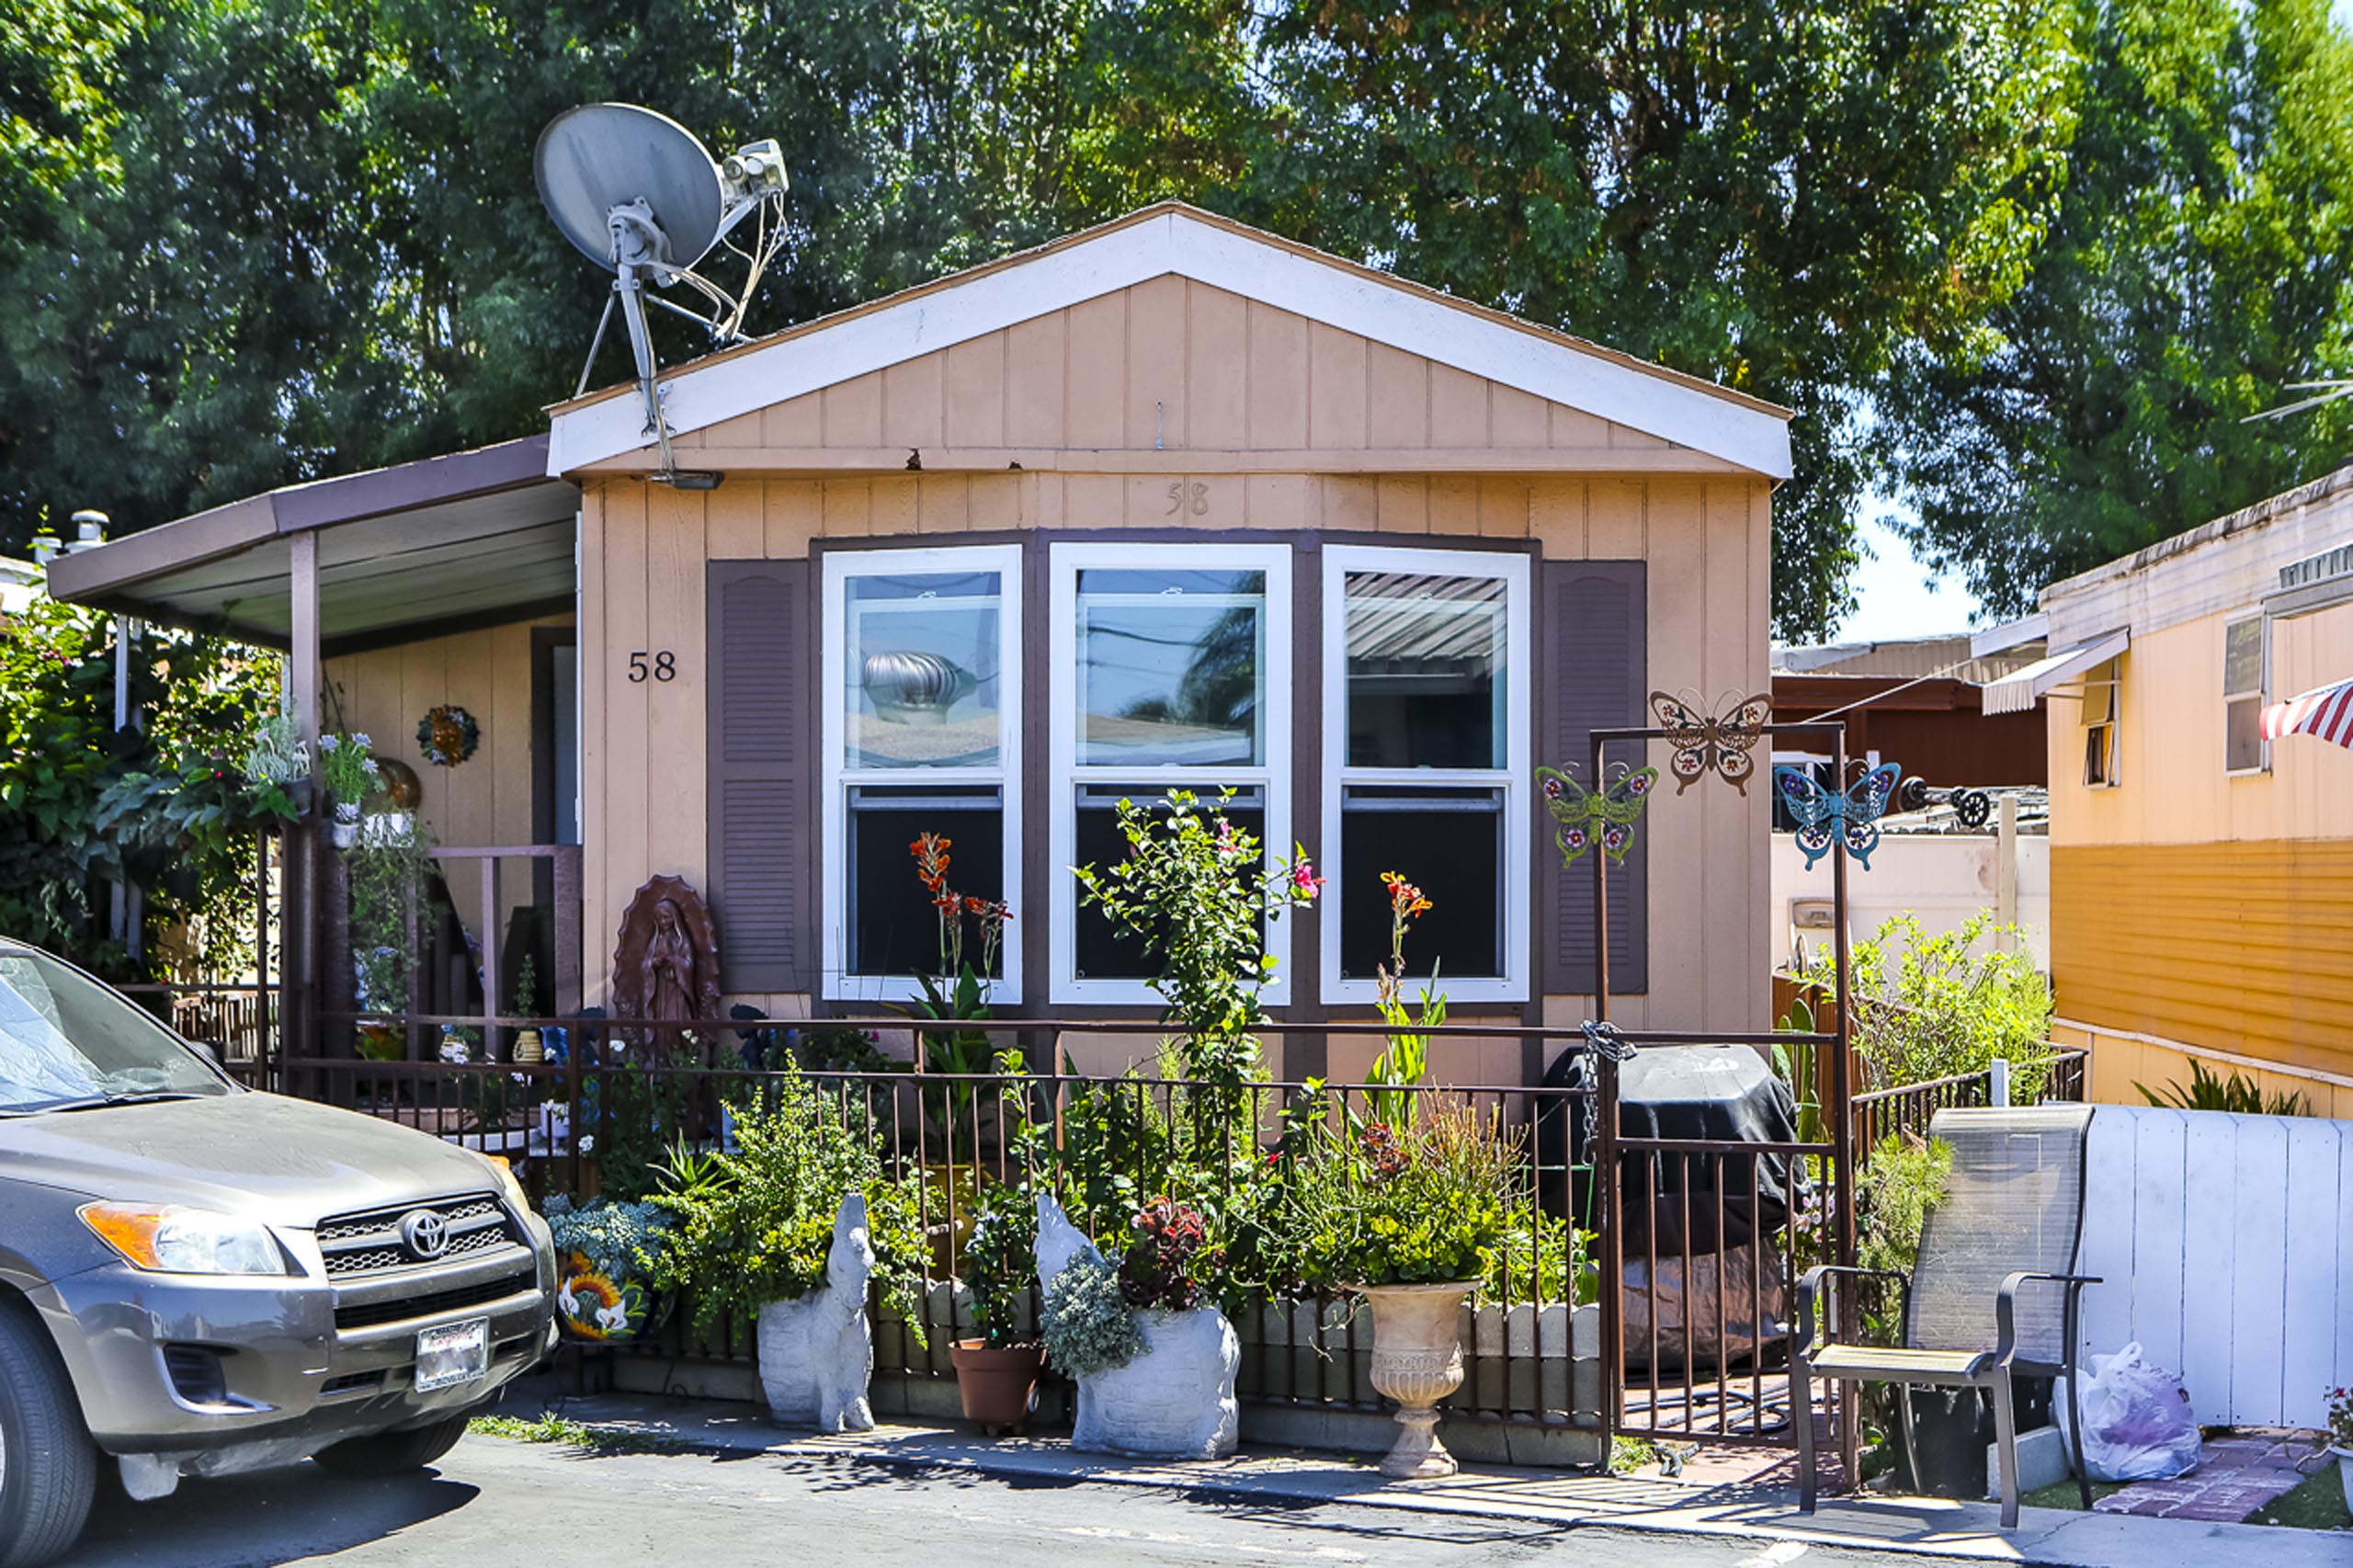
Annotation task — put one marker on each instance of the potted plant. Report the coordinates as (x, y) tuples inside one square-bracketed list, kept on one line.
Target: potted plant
[(350, 776), (1415, 1218), (1154, 1363), (528, 1046), (789, 1227), (2340, 1438), (996, 1373), (601, 1249)]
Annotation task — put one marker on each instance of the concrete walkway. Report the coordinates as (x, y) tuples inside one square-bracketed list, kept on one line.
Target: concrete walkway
[(1926, 1527)]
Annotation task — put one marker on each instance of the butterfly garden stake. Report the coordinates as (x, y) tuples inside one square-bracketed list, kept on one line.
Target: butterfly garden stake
[(1825, 817), (1607, 814), (1706, 742)]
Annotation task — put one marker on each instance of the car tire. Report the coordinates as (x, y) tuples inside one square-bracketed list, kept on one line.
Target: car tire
[(48, 1467), (390, 1453)]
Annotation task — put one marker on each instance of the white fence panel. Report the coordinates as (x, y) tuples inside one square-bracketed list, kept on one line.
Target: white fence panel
[(2223, 1242)]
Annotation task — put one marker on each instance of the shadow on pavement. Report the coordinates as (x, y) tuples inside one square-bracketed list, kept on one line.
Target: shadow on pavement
[(269, 1517)]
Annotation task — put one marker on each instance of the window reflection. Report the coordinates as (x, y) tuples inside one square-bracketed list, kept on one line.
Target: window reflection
[(1171, 667), (924, 689), (1426, 670)]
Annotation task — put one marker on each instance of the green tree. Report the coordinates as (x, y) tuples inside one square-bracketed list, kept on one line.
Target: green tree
[(2202, 258), (165, 807), (1780, 198)]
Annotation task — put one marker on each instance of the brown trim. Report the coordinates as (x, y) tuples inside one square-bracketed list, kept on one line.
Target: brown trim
[(448, 626), (1298, 539), (1306, 1056), (545, 639), (226, 530)]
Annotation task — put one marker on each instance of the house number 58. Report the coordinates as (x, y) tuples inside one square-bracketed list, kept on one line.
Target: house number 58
[(1184, 497), (663, 665)]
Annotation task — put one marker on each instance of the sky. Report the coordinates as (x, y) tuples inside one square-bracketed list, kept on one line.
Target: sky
[(1897, 597)]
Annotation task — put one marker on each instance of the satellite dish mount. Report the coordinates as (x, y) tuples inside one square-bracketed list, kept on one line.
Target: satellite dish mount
[(635, 192)]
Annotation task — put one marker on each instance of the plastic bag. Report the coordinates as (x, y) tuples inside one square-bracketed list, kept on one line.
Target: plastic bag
[(2137, 1421)]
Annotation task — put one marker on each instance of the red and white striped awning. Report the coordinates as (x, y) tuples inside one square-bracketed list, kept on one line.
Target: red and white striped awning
[(2325, 711)]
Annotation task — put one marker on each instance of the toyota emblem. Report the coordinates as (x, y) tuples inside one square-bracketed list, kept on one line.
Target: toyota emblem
[(425, 1234)]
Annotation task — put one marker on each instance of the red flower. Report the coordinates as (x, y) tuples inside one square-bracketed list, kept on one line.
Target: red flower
[(1303, 878)]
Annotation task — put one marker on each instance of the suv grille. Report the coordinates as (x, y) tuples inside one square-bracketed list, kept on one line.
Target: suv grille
[(374, 1313), (354, 1246)]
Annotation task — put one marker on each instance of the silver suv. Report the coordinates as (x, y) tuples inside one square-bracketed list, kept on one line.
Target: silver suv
[(197, 1280)]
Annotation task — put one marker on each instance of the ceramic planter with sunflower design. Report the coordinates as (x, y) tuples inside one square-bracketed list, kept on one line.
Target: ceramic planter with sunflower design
[(601, 1297)]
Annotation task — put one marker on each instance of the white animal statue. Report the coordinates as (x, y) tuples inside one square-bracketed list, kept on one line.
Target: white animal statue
[(817, 1353), (1176, 1399)]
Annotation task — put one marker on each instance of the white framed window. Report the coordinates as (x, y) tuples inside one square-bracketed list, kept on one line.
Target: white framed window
[(921, 733), (2103, 703), (1169, 670), (2246, 676), (1426, 767)]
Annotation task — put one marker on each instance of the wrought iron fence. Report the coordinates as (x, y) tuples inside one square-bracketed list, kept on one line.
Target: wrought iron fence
[(1107, 1144), (1909, 1107)]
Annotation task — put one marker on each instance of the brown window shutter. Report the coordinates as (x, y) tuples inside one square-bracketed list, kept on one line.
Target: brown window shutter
[(761, 762), (1593, 632)]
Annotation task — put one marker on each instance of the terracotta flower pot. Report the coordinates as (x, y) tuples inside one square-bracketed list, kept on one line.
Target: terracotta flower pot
[(1417, 1360), (997, 1385)]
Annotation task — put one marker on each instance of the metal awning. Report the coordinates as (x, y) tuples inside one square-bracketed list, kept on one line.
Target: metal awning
[(2019, 692), (414, 551)]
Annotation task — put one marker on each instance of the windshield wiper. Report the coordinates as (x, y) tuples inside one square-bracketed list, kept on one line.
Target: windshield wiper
[(101, 1102)]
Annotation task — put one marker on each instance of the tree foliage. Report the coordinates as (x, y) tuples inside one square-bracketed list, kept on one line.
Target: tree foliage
[(81, 802), (2201, 260), (259, 241)]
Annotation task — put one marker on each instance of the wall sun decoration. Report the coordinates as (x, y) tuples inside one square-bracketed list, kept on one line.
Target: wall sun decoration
[(1706, 742), (1606, 815), (447, 736)]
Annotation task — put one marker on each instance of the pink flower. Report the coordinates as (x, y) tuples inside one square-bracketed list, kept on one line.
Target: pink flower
[(1303, 878)]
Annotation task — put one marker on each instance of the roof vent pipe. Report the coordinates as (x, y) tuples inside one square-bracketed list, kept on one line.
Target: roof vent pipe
[(89, 530)]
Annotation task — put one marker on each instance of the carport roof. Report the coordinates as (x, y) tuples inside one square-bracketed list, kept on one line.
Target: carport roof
[(470, 538)]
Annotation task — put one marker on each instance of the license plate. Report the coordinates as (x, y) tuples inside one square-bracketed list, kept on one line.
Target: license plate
[(453, 1354)]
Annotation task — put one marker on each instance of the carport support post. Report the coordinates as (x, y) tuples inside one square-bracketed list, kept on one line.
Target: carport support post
[(298, 960)]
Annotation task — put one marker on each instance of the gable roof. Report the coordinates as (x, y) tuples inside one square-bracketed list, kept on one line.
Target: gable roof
[(1156, 240)]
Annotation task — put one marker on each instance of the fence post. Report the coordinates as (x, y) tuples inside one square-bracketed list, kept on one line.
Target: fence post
[(1999, 1095)]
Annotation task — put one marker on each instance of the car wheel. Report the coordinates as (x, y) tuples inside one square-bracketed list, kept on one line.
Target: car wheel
[(391, 1453), (48, 1468)]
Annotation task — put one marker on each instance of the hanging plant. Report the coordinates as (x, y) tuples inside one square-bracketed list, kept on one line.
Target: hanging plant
[(448, 734)]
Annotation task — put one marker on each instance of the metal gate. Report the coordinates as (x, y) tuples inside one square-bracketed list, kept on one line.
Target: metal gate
[(1696, 1316)]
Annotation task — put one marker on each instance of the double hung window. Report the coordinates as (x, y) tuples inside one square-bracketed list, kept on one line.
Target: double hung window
[(1426, 758), (921, 732), (1169, 672), (2246, 651)]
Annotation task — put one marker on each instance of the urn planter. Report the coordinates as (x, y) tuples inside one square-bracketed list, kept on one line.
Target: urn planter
[(1417, 1361), (2345, 1473), (997, 1383)]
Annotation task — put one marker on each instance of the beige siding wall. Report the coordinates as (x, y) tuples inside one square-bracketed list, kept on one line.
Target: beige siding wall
[(486, 799), (2121, 1062), (1281, 425)]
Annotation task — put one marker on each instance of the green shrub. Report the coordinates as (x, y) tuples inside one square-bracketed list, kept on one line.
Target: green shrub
[(1904, 1180), (1087, 1325), (2237, 1093), (998, 1262), (1428, 1202), (1936, 1006), (759, 1231)]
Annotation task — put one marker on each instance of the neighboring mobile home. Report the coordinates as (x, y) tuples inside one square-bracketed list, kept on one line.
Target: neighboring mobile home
[(2202, 876), (1168, 503)]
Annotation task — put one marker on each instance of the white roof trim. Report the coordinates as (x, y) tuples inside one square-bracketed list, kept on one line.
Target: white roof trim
[(2018, 692), (1326, 292), (2009, 635)]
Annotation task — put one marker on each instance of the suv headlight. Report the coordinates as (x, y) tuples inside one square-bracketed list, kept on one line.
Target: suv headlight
[(507, 1180), (170, 1239)]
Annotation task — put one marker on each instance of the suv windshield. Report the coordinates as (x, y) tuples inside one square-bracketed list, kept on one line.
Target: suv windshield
[(65, 1039)]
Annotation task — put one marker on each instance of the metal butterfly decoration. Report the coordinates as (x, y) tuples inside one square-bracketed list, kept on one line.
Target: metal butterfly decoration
[(1705, 742), (1606, 815), (1825, 817)]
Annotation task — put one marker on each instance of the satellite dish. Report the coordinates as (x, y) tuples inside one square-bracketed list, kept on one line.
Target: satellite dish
[(634, 191), (598, 157)]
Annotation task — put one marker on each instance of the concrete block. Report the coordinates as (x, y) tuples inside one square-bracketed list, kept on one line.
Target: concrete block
[(2042, 1461)]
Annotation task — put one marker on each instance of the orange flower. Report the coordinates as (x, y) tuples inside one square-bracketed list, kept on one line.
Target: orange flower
[(1405, 900)]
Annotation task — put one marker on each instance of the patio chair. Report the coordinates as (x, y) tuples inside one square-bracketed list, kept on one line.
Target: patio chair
[(1990, 1297)]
